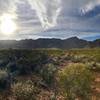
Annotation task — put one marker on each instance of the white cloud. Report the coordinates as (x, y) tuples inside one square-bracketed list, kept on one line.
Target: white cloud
[(47, 11), (61, 14), (89, 6), (7, 6)]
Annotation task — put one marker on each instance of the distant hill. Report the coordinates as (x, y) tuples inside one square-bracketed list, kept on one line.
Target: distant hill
[(69, 43), (92, 38)]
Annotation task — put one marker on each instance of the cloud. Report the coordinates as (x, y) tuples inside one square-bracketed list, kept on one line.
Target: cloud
[(47, 11), (62, 18), (91, 9), (8, 6)]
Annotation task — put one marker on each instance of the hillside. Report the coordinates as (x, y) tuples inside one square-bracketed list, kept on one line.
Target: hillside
[(69, 43)]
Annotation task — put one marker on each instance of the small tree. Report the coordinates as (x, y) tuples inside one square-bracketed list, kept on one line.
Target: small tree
[(75, 81)]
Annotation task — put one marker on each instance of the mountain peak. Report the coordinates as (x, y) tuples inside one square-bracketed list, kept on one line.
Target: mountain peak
[(73, 42)]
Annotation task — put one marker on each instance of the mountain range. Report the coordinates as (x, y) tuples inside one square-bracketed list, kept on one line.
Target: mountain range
[(69, 43)]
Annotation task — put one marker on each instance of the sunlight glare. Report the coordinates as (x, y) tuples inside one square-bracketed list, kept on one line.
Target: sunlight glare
[(7, 26)]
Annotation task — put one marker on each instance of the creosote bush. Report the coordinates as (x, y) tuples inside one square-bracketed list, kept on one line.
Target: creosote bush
[(75, 81)]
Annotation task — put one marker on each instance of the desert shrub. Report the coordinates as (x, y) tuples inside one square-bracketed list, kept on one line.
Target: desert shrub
[(23, 61), (47, 73), (97, 57), (77, 58), (75, 81), (31, 62), (95, 66), (91, 65), (3, 63), (11, 67), (23, 66), (25, 91), (81, 58), (4, 80)]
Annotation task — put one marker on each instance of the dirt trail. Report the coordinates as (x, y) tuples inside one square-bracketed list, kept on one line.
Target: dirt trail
[(96, 89)]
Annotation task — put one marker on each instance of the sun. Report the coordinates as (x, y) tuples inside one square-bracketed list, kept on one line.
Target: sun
[(7, 26)]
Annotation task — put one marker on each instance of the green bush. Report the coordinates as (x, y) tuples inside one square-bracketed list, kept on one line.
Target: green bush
[(4, 80), (47, 73), (75, 81), (95, 66), (24, 91), (31, 62)]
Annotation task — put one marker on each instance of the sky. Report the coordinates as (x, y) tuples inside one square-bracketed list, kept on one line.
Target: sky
[(50, 18)]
